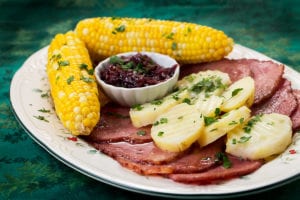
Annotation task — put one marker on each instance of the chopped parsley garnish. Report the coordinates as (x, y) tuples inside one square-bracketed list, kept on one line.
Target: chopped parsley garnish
[(160, 133), (55, 57), (42, 118), (180, 117), (175, 97), (116, 60), (232, 123), (84, 66), (187, 101), (161, 121), (63, 63), (208, 84), (209, 120), (242, 120), (45, 95), (120, 28), (222, 157), (137, 107), (188, 30), (128, 65), (43, 110), (157, 102), (141, 132), (70, 79), (247, 128), (170, 36), (38, 90), (217, 111), (87, 79), (190, 78), (242, 139), (174, 46), (236, 91)]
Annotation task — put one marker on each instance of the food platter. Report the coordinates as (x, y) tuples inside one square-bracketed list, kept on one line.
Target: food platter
[(29, 95)]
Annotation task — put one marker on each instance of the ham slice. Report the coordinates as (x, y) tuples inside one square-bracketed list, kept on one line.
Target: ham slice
[(239, 168), (236, 69), (267, 76), (115, 126), (282, 102), (296, 115), (196, 160), (139, 153)]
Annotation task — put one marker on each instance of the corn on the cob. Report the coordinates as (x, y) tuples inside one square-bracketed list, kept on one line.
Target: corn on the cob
[(72, 84), (186, 42)]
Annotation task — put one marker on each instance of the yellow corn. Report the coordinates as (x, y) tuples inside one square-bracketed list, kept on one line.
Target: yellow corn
[(186, 42), (73, 86)]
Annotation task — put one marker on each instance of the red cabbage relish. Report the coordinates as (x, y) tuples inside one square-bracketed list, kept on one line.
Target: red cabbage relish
[(134, 71)]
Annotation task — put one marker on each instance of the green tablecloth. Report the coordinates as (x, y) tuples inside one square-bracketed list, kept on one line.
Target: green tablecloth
[(26, 170)]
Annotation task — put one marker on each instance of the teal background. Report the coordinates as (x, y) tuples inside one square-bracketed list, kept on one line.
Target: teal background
[(26, 170)]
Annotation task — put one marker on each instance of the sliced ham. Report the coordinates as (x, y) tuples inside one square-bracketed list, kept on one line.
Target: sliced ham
[(236, 69), (282, 102), (140, 153), (195, 161), (267, 74), (296, 115), (115, 126), (239, 168)]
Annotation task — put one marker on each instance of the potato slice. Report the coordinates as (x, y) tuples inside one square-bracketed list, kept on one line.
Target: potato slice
[(178, 128), (210, 82), (263, 136), (238, 94), (219, 127), (207, 106), (145, 114)]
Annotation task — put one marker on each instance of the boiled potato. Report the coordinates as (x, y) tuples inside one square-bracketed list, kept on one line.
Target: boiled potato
[(146, 114), (261, 137), (238, 94), (178, 128), (210, 82), (208, 105), (216, 128)]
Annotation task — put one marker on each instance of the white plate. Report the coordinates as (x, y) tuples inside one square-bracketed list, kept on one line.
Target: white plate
[(30, 83)]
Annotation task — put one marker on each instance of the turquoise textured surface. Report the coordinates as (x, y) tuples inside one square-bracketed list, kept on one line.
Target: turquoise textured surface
[(26, 170)]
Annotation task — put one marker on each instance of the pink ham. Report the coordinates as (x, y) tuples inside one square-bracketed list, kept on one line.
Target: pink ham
[(195, 161), (296, 115), (236, 69), (282, 102), (115, 126), (239, 168), (267, 76), (140, 153)]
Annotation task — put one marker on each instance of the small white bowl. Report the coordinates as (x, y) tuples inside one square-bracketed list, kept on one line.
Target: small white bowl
[(140, 95)]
